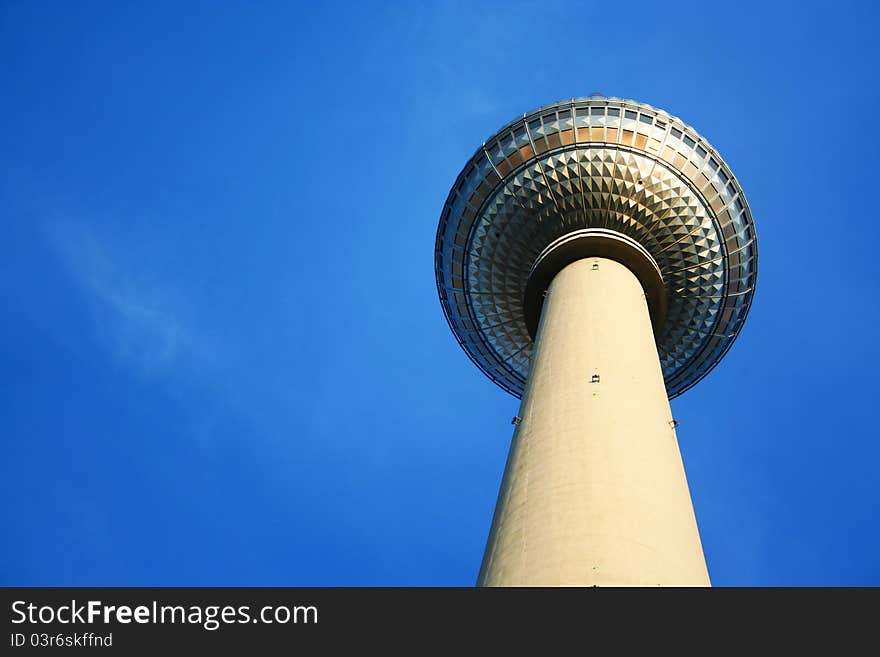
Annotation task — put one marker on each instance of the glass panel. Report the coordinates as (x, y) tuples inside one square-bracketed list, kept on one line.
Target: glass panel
[(727, 194), (542, 130), (565, 120)]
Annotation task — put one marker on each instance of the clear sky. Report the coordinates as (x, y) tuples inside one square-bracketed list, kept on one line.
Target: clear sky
[(223, 357)]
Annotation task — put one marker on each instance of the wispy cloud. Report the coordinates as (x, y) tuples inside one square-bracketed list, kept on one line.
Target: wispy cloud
[(131, 308), (146, 312)]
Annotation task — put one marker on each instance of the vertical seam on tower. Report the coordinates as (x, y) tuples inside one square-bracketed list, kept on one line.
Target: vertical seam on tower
[(540, 166)]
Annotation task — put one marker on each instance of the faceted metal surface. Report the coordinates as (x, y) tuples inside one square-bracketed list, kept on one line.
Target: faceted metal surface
[(596, 163)]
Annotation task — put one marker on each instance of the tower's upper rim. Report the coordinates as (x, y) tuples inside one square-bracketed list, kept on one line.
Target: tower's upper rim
[(595, 98), (596, 162)]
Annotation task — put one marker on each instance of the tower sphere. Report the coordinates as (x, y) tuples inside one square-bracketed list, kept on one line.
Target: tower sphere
[(596, 176)]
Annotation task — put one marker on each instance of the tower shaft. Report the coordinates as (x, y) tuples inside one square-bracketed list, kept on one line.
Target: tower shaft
[(594, 491)]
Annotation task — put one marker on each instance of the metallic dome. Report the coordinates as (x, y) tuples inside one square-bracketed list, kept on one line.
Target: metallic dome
[(596, 163)]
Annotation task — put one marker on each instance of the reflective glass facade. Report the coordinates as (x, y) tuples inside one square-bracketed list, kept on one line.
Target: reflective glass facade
[(596, 163)]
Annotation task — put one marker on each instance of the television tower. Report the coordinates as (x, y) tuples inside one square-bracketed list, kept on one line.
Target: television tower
[(595, 258)]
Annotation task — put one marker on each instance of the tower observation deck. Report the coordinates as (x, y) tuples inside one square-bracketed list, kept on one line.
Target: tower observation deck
[(595, 258)]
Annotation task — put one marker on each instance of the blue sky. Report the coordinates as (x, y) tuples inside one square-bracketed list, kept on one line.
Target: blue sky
[(224, 361)]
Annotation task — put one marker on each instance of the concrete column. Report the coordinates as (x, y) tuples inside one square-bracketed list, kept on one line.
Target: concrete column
[(594, 491)]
